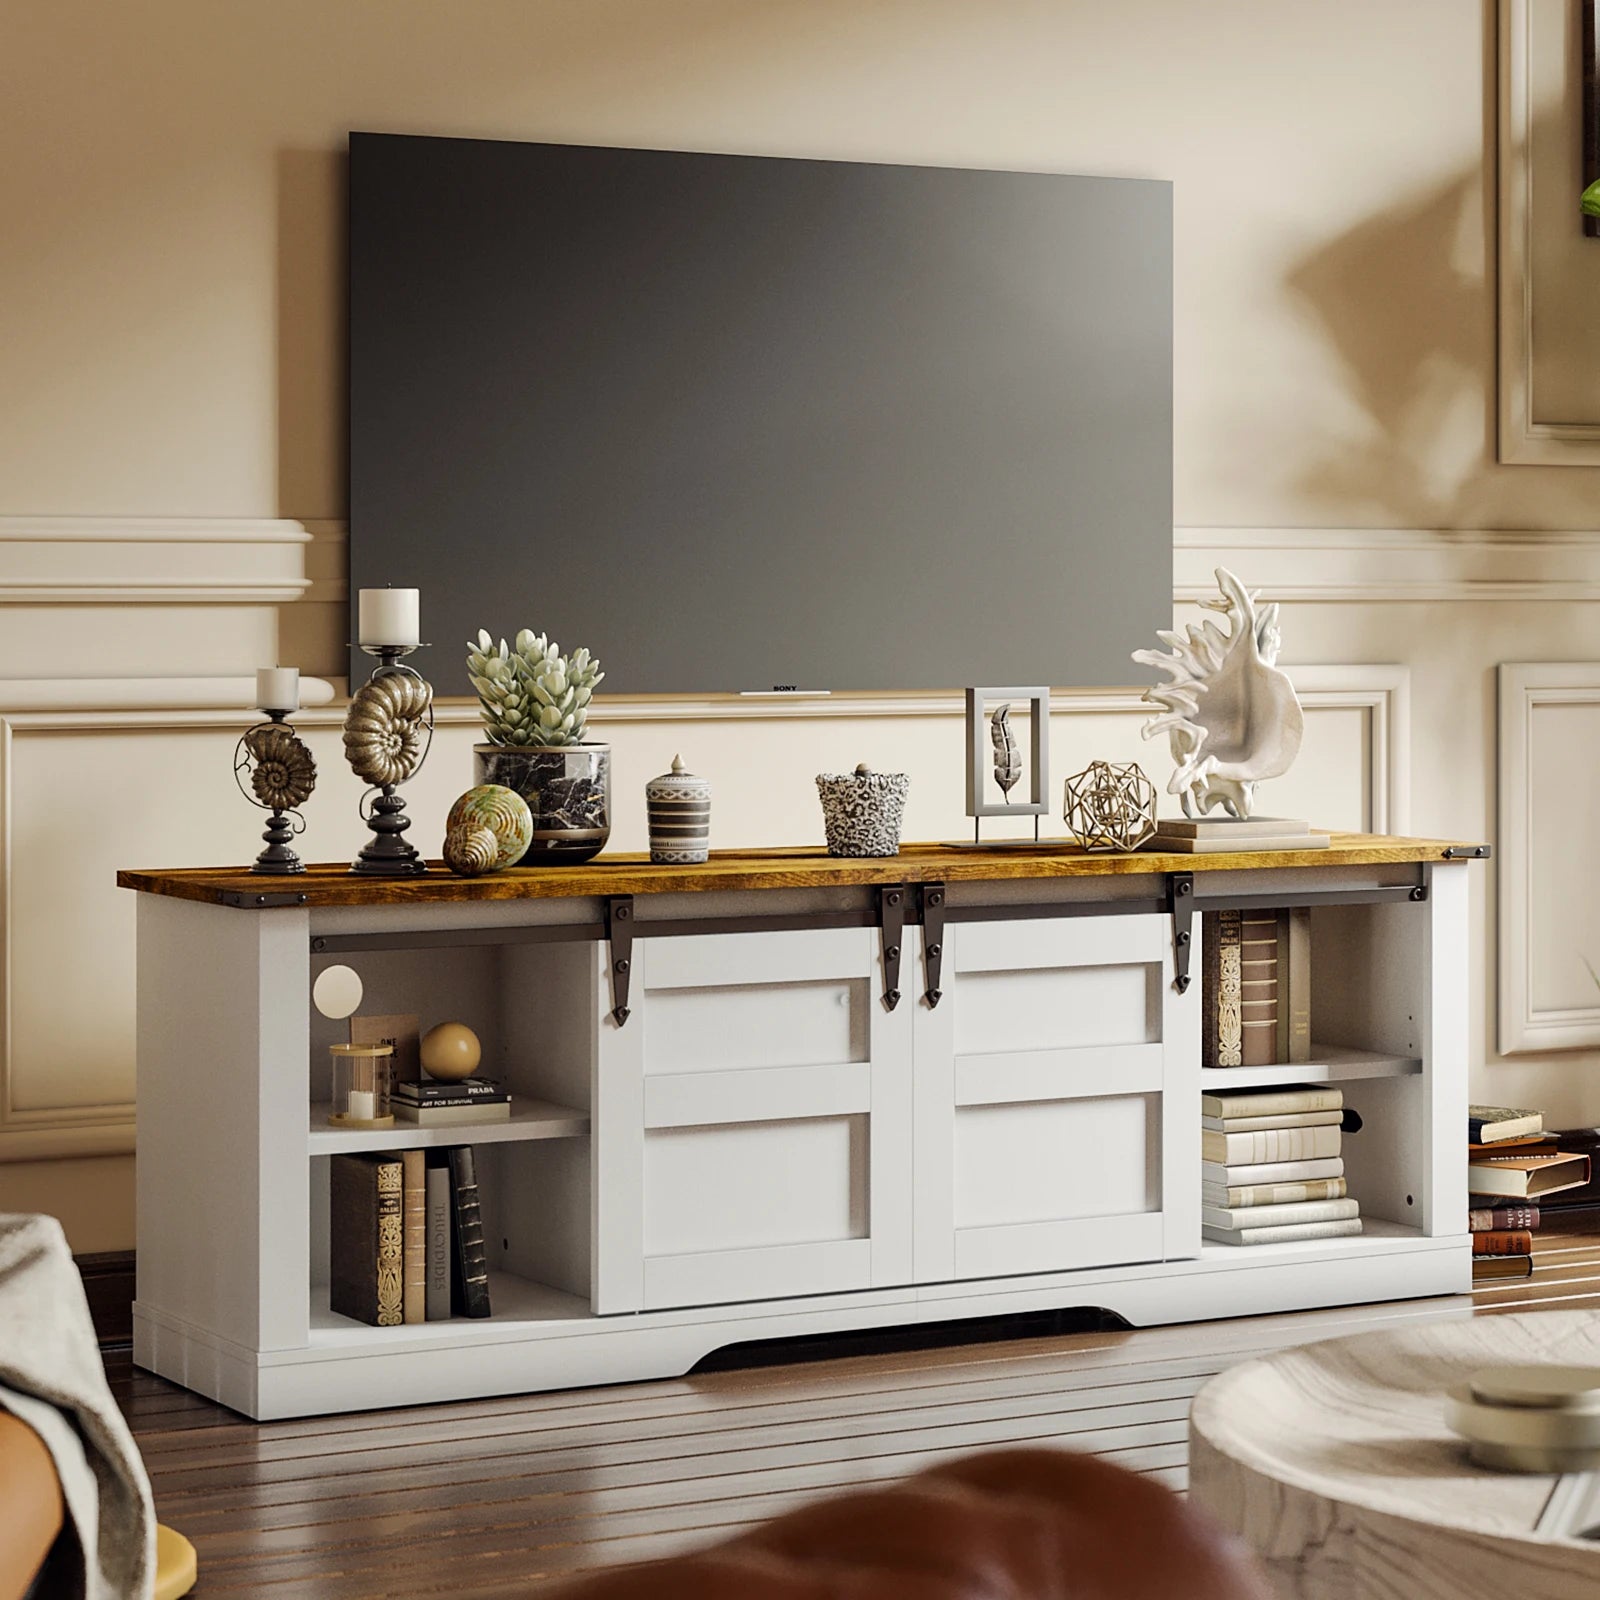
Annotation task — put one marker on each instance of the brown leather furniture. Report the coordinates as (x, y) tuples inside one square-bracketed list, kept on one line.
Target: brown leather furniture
[(1011, 1525), (31, 1509)]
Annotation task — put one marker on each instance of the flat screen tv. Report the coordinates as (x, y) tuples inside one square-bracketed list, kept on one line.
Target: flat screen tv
[(739, 423)]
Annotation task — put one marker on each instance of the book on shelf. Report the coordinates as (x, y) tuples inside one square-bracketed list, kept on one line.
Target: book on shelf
[(469, 1291), (366, 1238), (1487, 1219), (1342, 1228), (1526, 1177), (1503, 1242), (402, 1033), (414, 1232), (429, 1092), (454, 1114), (1278, 1216), (1487, 1268), (1219, 1176), (437, 1292), (1270, 1144), (1279, 1119), (1491, 1124), (1272, 1194), (1294, 985), (1269, 1102)]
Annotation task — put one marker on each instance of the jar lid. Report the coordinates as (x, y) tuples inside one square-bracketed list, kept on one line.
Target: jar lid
[(361, 1049), (679, 778)]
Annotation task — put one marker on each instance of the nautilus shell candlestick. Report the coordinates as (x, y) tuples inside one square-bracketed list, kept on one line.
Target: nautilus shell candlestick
[(387, 732), (281, 775), (1230, 712)]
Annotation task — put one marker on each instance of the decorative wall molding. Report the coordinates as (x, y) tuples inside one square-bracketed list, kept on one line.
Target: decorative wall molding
[(1399, 565), (152, 560), (1530, 812), (1524, 439), (1384, 693)]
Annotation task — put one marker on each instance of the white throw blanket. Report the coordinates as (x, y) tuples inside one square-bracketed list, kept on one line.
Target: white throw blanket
[(52, 1379)]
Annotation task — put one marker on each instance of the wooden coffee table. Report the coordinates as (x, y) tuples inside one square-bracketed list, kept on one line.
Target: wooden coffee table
[(1334, 1462)]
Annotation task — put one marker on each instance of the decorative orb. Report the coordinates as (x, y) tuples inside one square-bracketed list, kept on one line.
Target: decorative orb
[(1110, 808), (337, 992), (503, 812), (471, 850), (451, 1051)]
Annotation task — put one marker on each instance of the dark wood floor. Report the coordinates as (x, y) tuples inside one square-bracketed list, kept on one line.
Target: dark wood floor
[(487, 1497)]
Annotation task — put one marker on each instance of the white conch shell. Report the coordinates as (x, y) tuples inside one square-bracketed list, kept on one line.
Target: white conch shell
[(1230, 712)]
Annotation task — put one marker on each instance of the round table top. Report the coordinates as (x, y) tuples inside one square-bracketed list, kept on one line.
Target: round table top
[(1360, 1423)]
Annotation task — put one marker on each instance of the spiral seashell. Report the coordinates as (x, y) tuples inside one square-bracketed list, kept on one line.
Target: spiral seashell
[(283, 773), (503, 812), (385, 729), (470, 850)]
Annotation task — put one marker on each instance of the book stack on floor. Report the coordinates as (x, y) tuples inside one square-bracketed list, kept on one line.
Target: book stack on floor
[(406, 1237), (1512, 1161), (1272, 1172)]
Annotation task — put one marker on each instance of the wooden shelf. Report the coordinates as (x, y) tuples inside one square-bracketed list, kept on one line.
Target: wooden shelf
[(516, 1301), (1331, 1064), (530, 1119), (803, 868)]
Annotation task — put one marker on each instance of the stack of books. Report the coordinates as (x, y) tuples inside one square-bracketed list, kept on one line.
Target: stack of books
[(1512, 1161), (439, 1105), (1271, 1169), (406, 1237)]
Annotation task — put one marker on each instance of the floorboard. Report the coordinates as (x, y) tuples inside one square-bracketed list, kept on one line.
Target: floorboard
[(487, 1497)]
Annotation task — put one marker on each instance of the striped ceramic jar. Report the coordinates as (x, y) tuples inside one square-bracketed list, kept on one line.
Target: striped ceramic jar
[(680, 816)]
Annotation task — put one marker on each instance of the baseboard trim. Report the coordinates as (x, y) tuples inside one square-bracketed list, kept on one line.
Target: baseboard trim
[(108, 1282)]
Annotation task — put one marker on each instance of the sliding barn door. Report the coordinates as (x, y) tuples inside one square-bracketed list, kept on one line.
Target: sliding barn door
[(753, 1123), (1057, 1100)]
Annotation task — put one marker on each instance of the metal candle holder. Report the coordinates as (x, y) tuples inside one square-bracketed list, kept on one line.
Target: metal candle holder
[(281, 775), (406, 743)]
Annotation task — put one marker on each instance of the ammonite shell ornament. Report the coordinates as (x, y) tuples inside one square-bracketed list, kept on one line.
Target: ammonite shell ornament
[(388, 726), (387, 731), (282, 774)]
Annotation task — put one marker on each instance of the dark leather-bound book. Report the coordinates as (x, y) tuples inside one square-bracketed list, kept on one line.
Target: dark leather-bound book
[(366, 1244), (469, 1277), (1488, 1220)]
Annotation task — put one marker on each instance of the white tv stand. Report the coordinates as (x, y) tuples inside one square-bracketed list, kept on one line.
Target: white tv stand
[(725, 1131)]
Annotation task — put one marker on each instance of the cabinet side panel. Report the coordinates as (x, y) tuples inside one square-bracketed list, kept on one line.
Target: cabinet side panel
[(222, 1187)]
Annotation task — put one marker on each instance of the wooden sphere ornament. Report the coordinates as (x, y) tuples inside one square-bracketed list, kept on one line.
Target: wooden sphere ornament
[(451, 1052)]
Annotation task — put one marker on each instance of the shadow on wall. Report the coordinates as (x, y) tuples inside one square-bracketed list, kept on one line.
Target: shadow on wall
[(1407, 302)]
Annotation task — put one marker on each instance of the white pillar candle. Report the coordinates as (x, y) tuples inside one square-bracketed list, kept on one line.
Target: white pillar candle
[(278, 688), (363, 1105), (389, 616)]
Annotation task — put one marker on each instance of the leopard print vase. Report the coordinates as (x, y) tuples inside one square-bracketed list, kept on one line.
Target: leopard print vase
[(861, 811)]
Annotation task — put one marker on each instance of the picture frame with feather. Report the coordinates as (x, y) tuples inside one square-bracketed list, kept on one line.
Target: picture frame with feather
[(998, 761)]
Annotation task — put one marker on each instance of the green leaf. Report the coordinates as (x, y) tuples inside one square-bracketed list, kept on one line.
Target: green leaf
[(1589, 201)]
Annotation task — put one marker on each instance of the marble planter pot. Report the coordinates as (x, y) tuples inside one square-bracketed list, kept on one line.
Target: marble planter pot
[(568, 790), (679, 805)]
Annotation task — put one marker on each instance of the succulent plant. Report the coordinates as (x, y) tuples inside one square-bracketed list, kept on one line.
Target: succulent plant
[(531, 694)]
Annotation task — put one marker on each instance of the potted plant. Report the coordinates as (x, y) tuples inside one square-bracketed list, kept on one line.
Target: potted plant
[(535, 706)]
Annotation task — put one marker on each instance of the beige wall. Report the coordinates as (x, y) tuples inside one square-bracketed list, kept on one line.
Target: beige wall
[(169, 313)]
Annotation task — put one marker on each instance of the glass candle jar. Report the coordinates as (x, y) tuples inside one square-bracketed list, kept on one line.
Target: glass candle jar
[(362, 1074)]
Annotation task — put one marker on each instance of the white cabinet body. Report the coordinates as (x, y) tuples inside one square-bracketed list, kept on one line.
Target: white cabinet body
[(765, 1147)]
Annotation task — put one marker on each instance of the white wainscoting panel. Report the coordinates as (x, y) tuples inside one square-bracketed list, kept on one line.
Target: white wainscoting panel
[(1549, 800)]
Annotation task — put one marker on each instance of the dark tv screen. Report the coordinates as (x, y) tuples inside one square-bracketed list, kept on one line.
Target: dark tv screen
[(740, 422)]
